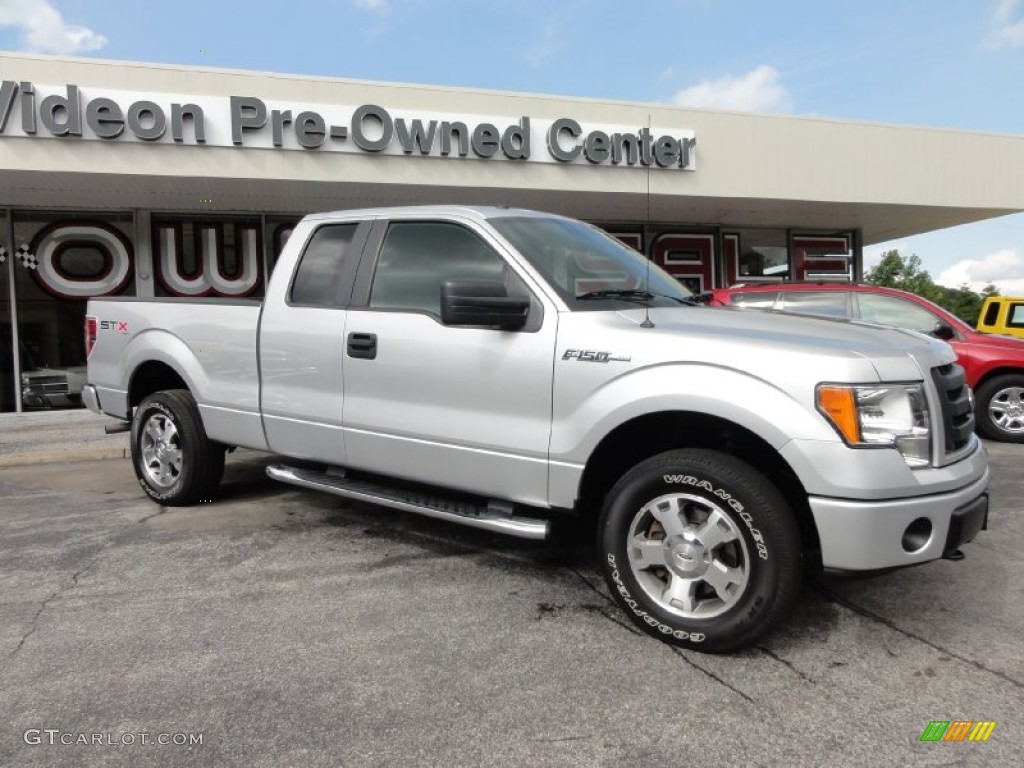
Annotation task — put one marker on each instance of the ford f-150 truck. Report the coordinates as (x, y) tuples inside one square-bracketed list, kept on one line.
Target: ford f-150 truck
[(508, 369)]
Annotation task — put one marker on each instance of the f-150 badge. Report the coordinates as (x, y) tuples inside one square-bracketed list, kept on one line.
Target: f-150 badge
[(590, 356)]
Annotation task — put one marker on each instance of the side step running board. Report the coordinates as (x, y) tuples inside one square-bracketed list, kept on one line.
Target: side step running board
[(496, 516)]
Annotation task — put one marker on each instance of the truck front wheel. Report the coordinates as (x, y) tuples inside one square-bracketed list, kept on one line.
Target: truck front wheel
[(176, 463), (700, 550)]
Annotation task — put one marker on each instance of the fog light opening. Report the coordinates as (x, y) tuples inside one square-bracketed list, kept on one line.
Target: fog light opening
[(917, 535)]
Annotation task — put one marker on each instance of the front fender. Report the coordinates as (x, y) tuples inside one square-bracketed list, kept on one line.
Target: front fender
[(582, 419)]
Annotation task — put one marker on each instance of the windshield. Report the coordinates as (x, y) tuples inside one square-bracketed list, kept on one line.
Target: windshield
[(589, 268)]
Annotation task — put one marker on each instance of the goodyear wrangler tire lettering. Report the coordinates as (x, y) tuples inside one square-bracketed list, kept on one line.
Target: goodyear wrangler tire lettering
[(700, 550), (632, 605)]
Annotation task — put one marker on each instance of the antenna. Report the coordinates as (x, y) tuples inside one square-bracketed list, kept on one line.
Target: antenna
[(647, 274)]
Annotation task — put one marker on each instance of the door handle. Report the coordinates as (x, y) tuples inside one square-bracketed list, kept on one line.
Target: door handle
[(363, 345)]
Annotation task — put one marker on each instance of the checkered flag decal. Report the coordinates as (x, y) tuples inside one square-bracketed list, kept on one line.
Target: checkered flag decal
[(28, 259)]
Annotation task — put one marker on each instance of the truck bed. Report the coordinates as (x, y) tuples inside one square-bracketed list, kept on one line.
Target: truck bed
[(210, 343)]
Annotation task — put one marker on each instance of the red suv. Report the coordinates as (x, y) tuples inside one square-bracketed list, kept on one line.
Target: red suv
[(994, 364)]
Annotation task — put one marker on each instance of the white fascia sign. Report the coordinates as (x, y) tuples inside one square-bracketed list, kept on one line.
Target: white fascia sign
[(69, 112)]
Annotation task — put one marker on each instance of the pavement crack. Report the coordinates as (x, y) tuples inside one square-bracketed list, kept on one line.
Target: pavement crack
[(607, 598), (679, 652), (869, 614), (150, 517), (792, 667), (34, 624), (600, 610)]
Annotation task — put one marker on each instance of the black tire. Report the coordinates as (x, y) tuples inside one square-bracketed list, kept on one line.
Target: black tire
[(712, 497), (176, 463), (1005, 393)]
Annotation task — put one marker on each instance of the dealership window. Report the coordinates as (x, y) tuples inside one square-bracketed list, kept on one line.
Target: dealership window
[(755, 255), (60, 260), (208, 256), (276, 234), (8, 379), (827, 256)]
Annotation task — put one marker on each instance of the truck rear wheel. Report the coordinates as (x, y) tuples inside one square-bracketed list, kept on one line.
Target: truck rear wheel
[(700, 550), (999, 413), (176, 463)]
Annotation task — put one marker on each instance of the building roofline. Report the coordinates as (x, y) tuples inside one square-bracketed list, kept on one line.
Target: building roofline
[(195, 69)]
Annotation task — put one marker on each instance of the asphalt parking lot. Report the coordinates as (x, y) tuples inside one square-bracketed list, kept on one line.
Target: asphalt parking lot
[(287, 628)]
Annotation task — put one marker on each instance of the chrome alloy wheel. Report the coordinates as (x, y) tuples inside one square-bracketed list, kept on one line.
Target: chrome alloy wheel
[(688, 555), (161, 451), (1006, 409)]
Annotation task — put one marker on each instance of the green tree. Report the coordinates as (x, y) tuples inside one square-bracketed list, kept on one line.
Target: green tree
[(906, 274), (893, 271)]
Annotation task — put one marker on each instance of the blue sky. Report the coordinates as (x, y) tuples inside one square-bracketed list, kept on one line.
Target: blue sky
[(952, 64)]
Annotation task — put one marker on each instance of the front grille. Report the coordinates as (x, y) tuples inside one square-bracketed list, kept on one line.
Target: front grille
[(955, 401)]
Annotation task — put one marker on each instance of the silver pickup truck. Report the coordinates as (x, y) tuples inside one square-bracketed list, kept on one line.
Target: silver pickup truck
[(508, 370)]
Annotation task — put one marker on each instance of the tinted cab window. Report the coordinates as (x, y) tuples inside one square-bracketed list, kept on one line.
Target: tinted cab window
[(318, 279), (416, 257)]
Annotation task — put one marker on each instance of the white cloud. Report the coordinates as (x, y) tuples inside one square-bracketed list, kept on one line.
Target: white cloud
[(379, 6), (1007, 25), (759, 90), (1004, 269), (549, 44), (43, 29)]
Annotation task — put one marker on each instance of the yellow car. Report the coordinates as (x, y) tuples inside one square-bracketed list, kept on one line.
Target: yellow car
[(1003, 315)]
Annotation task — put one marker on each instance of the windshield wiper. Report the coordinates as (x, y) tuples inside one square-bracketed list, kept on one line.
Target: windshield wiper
[(635, 295)]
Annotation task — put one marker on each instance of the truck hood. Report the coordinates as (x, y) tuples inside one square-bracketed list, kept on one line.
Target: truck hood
[(769, 345)]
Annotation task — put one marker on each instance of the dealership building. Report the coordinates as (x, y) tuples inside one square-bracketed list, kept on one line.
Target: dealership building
[(136, 179)]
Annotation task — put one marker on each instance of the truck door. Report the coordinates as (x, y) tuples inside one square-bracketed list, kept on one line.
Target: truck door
[(461, 407), (302, 346)]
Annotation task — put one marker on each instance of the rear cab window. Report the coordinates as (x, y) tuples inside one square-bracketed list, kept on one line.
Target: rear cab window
[(318, 277)]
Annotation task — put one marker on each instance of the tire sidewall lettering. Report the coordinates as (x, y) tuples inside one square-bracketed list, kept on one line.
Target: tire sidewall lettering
[(631, 603), (734, 504)]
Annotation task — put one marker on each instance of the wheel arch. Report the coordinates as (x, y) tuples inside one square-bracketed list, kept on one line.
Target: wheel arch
[(648, 435), (1003, 370), (153, 376)]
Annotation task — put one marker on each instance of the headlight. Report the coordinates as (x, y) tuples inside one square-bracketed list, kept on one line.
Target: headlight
[(894, 415)]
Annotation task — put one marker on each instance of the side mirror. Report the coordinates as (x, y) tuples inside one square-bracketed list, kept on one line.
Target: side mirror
[(482, 302), (943, 331)]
